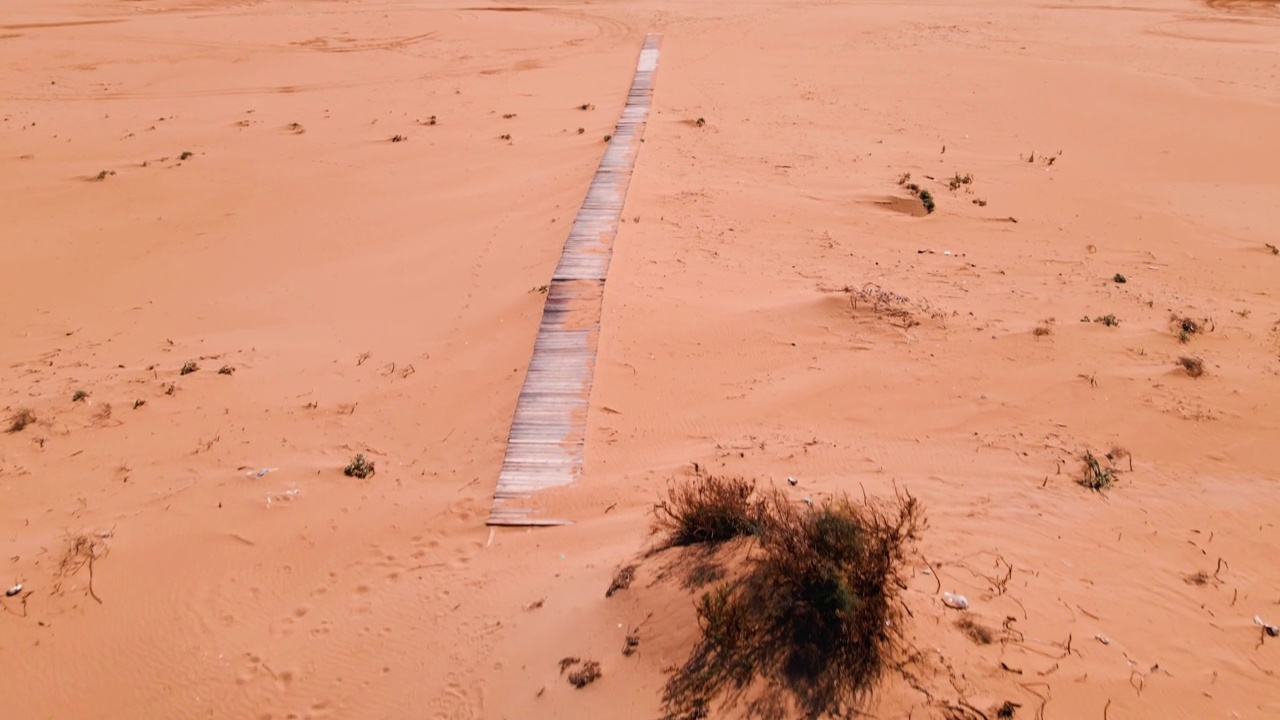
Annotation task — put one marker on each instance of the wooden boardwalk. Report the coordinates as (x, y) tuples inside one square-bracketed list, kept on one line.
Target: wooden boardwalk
[(548, 433)]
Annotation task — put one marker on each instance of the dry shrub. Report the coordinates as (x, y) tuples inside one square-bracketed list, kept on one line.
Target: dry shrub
[(896, 307), (22, 417), (622, 580), (1096, 477), (707, 509), (1199, 578), (82, 551), (1193, 365), (587, 674), (359, 467), (977, 632), (1187, 327), (815, 617), (1007, 710)]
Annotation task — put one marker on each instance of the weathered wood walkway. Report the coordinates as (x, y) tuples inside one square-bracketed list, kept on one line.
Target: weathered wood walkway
[(548, 434)]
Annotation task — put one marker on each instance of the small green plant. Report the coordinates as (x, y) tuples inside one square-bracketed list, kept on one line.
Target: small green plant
[(79, 395), (581, 130), (188, 367), (1109, 320), (398, 138), (1186, 328), (138, 403), (359, 467), (700, 122), (431, 120), (980, 202), (508, 116), (1120, 279), (904, 178), (1193, 365), (1274, 250), (586, 106), (186, 155), (926, 199), (958, 180), (607, 138), (541, 289), (1042, 330), (226, 370), (505, 136), (1096, 477), (104, 174), (22, 417)]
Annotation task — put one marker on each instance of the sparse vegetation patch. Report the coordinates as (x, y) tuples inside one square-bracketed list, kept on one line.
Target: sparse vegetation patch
[(1187, 327), (21, 418), (815, 616), (896, 307), (977, 632), (707, 509), (1096, 477), (1193, 365), (585, 675), (359, 467)]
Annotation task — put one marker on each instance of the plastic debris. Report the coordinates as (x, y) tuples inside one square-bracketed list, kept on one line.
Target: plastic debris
[(13, 590), (793, 481), (1102, 639), (1270, 629), (286, 495), (955, 600), (261, 473)]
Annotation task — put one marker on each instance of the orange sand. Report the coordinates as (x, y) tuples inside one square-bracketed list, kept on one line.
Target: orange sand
[(377, 297)]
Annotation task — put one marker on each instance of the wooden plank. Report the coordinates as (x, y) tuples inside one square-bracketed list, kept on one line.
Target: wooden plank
[(546, 441)]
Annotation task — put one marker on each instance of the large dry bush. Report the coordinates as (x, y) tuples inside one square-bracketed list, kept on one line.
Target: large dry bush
[(812, 619)]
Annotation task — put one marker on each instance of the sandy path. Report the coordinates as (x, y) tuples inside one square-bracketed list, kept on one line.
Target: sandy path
[(297, 238)]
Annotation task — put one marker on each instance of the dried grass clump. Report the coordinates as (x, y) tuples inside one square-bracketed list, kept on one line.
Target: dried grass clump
[(1193, 365), (815, 617), (22, 417), (583, 676), (1096, 477), (977, 632), (707, 509), (892, 305)]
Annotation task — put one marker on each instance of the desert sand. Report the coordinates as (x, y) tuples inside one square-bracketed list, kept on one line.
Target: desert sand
[(216, 183)]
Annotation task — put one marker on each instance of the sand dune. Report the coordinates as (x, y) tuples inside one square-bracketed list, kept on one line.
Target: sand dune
[(218, 183)]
